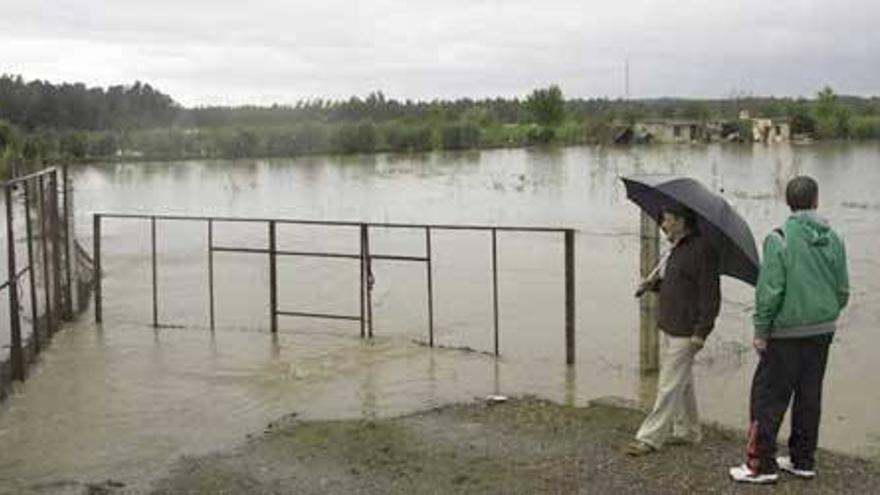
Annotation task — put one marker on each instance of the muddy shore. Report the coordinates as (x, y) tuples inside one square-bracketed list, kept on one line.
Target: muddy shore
[(519, 446)]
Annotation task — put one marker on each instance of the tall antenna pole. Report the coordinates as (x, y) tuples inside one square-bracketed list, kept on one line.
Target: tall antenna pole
[(626, 76)]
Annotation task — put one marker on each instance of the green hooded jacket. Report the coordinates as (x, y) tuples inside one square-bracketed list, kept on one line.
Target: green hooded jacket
[(803, 282)]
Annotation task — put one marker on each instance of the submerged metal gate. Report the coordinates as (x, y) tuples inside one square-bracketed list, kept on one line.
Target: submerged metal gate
[(51, 277), (365, 256)]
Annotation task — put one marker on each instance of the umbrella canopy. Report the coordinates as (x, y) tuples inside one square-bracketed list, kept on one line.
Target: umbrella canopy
[(716, 219)]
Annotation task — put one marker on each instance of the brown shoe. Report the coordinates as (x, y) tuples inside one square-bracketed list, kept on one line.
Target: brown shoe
[(639, 448)]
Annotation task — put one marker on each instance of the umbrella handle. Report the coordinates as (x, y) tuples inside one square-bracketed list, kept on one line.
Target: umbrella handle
[(655, 271)]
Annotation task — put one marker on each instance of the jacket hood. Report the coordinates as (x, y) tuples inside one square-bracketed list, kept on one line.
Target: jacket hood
[(815, 226)]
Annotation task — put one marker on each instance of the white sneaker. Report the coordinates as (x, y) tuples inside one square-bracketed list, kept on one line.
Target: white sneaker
[(786, 465), (742, 474)]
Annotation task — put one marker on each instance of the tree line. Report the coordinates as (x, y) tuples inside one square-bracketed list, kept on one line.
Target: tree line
[(40, 104), (43, 122)]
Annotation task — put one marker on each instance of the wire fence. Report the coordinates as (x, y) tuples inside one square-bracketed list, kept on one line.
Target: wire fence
[(48, 275)]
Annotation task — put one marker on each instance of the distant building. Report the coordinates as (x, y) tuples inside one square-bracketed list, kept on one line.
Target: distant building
[(671, 131), (768, 130), (771, 130), (685, 131)]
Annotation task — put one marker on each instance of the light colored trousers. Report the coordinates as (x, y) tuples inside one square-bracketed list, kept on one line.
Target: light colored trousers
[(675, 410)]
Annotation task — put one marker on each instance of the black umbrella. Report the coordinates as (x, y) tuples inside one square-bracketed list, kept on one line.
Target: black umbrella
[(716, 219)]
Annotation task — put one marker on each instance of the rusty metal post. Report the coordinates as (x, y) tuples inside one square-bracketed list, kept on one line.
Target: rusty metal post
[(649, 338), (369, 279), (495, 288), (273, 278), (47, 288), (55, 233), (155, 272), (569, 297), (363, 242), (430, 286), (96, 252), (211, 272), (69, 236), (15, 351), (31, 264)]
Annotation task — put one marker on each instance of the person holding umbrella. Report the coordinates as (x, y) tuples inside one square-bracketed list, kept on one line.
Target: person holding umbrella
[(687, 279), (709, 239), (802, 287)]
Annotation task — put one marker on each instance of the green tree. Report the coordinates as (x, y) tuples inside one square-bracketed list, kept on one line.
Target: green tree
[(802, 121), (8, 141), (408, 137), (8, 147), (695, 110), (546, 107), (865, 127), (73, 144), (356, 138), (832, 118), (459, 136)]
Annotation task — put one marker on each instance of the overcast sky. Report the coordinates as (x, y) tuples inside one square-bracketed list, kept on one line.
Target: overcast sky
[(266, 51)]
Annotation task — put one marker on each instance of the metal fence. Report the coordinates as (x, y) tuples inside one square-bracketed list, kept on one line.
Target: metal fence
[(50, 281), (365, 256)]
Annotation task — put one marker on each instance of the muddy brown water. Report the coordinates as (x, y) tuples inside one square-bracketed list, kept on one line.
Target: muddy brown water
[(122, 400)]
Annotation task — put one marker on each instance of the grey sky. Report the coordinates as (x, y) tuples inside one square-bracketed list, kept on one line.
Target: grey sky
[(265, 51)]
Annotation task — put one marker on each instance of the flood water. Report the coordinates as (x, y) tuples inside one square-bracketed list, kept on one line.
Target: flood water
[(122, 400)]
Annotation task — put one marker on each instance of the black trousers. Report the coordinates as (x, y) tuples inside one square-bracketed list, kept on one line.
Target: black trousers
[(788, 367)]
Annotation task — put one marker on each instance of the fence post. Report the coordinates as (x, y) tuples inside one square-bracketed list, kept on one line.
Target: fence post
[(649, 348), (368, 278), (44, 236), (69, 239), (31, 265), (363, 236), (495, 289), (16, 354), (430, 274), (211, 272), (273, 278), (55, 234), (96, 251), (155, 272), (569, 297)]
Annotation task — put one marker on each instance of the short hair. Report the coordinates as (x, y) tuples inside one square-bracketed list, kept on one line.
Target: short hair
[(802, 193), (681, 211)]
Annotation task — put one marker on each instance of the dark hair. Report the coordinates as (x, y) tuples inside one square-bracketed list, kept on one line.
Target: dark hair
[(681, 211), (801, 193)]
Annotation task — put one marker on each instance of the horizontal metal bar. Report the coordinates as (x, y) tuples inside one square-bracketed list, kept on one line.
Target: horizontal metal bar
[(319, 315), (25, 178), (17, 276), (391, 257), (230, 219), (309, 254), (506, 228), (228, 249)]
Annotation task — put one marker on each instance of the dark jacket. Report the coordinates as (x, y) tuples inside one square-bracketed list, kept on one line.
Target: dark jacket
[(690, 294)]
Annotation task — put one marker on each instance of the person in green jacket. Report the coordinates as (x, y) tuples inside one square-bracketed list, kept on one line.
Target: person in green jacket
[(802, 287)]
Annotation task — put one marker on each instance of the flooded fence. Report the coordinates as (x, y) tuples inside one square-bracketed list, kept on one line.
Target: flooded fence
[(52, 270), (364, 256)]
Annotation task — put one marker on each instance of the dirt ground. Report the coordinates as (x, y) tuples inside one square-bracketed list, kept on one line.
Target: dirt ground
[(519, 446)]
